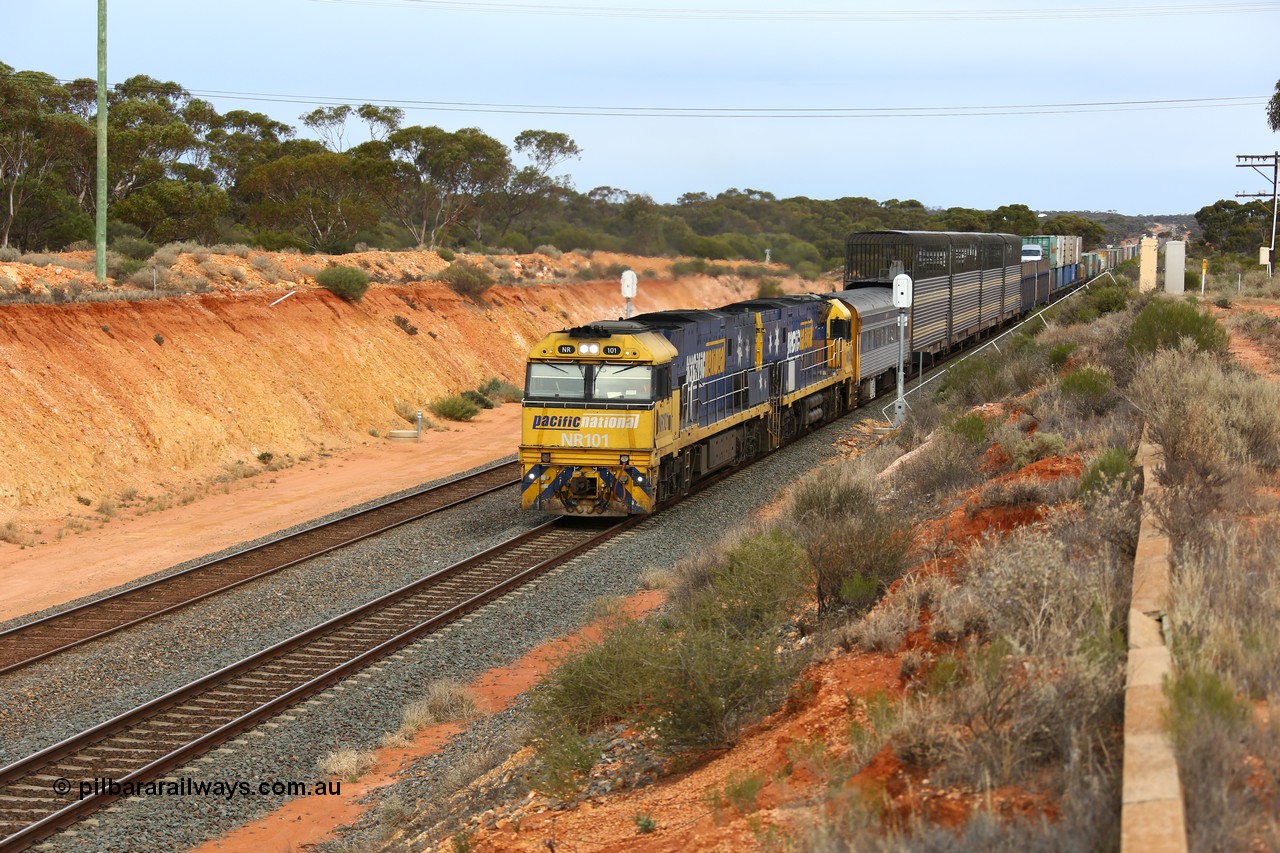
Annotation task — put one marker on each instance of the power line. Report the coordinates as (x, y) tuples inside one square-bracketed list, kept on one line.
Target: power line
[(739, 112), (825, 16)]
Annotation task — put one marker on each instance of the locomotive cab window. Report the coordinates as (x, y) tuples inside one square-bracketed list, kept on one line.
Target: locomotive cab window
[(623, 383), (557, 381)]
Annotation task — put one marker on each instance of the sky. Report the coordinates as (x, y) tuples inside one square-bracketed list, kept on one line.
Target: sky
[(1138, 107)]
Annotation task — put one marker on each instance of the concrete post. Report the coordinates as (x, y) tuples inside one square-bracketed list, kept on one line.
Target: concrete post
[(1147, 264), (1175, 266)]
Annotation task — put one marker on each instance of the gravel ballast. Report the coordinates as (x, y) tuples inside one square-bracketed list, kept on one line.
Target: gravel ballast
[(54, 699)]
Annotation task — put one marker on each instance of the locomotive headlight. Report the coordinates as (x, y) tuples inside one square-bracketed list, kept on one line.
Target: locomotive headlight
[(624, 459), (532, 476), (639, 479), (589, 349)]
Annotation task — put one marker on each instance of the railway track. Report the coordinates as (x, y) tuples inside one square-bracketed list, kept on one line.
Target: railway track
[(41, 794), (60, 631)]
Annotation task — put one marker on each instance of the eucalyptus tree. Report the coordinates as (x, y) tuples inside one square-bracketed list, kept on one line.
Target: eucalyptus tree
[(323, 196), (36, 129), (533, 186), (438, 177)]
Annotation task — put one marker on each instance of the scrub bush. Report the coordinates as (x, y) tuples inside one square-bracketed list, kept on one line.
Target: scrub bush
[(455, 408), (134, 247), (1089, 390), (479, 399), (501, 392), (973, 381), (972, 426), (1110, 466), (1163, 323), (348, 283), (855, 547), (467, 279), (1059, 354)]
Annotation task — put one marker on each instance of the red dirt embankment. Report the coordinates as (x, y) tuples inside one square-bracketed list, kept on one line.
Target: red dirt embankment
[(120, 401)]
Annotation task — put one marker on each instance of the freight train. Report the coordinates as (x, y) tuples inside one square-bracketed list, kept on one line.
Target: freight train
[(620, 416)]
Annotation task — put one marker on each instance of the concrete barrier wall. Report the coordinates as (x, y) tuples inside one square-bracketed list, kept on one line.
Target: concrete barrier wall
[(1152, 819)]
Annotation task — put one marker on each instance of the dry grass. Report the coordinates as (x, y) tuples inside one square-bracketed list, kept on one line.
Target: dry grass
[(348, 764), (444, 701)]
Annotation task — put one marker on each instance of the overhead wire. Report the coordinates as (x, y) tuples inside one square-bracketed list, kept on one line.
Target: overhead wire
[(737, 112), (825, 16)]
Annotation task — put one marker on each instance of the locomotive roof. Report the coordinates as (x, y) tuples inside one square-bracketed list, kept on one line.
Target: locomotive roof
[(771, 302), (867, 300), (674, 319)]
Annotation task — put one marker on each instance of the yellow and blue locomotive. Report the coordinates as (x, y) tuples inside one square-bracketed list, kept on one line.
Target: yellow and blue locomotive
[(621, 415)]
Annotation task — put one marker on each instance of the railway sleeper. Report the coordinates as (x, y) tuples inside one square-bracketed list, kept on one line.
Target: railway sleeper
[(33, 790)]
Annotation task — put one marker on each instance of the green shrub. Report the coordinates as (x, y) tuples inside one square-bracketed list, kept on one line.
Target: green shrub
[(768, 288), (808, 270), (696, 266), (1108, 299), (1059, 354), (479, 399), (1163, 323), (502, 392), (346, 282), (455, 408), (972, 426), (1037, 446), (693, 678), (467, 279), (1088, 388), (446, 255), (1109, 467), (851, 541), (120, 267), (134, 247), (973, 381), (1198, 699), (278, 241)]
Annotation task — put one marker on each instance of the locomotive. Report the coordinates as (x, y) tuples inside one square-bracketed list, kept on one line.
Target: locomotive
[(620, 416)]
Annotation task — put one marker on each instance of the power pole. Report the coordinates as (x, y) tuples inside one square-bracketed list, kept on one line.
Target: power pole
[(1256, 162), (100, 230)]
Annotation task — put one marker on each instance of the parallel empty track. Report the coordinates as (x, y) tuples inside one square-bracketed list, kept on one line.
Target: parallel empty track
[(28, 643), (167, 732)]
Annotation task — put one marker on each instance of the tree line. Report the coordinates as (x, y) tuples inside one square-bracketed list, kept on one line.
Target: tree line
[(179, 170)]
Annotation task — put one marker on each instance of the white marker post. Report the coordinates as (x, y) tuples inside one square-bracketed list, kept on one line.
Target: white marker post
[(629, 282), (902, 301)]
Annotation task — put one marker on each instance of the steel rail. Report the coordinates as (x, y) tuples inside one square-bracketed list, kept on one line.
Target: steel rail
[(25, 644), (46, 766)]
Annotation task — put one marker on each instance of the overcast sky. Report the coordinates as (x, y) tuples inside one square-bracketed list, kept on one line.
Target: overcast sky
[(974, 103)]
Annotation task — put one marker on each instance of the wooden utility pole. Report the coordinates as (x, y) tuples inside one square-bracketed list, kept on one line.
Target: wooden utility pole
[(1256, 162), (100, 230)]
